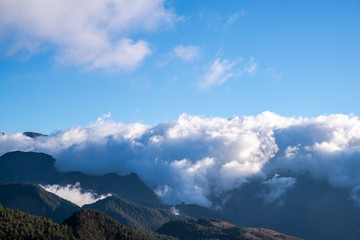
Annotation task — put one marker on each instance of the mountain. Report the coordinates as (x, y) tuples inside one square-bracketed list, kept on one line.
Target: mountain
[(28, 167), (33, 199), (129, 187), (40, 168), (84, 224), (196, 211), (15, 224), (93, 224), (131, 214), (217, 229), (312, 209), (90, 224), (33, 134)]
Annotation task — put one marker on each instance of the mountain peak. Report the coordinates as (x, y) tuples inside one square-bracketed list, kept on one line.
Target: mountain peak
[(33, 134)]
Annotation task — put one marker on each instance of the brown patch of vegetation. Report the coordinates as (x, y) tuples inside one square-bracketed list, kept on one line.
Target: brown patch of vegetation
[(267, 234)]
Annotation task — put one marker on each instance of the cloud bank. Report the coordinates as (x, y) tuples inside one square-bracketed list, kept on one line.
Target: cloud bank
[(194, 157), (90, 33), (74, 193)]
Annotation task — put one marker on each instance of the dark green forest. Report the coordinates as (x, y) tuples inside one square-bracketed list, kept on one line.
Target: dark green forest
[(84, 224)]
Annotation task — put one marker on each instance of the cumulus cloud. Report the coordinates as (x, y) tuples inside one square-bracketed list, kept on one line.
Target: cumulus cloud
[(90, 33), (193, 157), (74, 193), (219, 72), (291, 151), (186, 53)]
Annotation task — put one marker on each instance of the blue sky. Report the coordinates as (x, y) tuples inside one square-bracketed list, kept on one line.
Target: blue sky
[(65, 63)]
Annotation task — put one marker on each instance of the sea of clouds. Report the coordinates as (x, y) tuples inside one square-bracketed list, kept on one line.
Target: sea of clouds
[(194, 157)]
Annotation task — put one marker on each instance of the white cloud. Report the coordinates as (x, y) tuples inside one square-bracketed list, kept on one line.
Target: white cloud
[(220, 71), (90, 33), (186, 53), (277, 186), (74, 193), (103, 117), (291, 151), (174, 211), (194, 157), (234, 17)]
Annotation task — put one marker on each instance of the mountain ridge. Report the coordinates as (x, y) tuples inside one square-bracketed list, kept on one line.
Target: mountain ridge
[(33, 199), (132, 214), (39, 168)]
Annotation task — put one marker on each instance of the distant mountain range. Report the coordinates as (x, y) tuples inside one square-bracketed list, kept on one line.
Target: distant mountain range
[(312, 209), (22, 167), (29, 134), (33, 134), (92, 224), (84, 225), (40, 168)]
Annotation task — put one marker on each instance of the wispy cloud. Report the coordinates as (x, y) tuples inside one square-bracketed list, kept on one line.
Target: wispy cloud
[(74, 193), (186, 53), (274, 74), (277, 186), (90, 33), (251, 66), (103, 117), (219, 72), (234, 17)]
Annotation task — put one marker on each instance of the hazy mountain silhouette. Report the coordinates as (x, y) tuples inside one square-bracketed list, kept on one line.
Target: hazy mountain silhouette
[(312, 209), (33, 134)]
